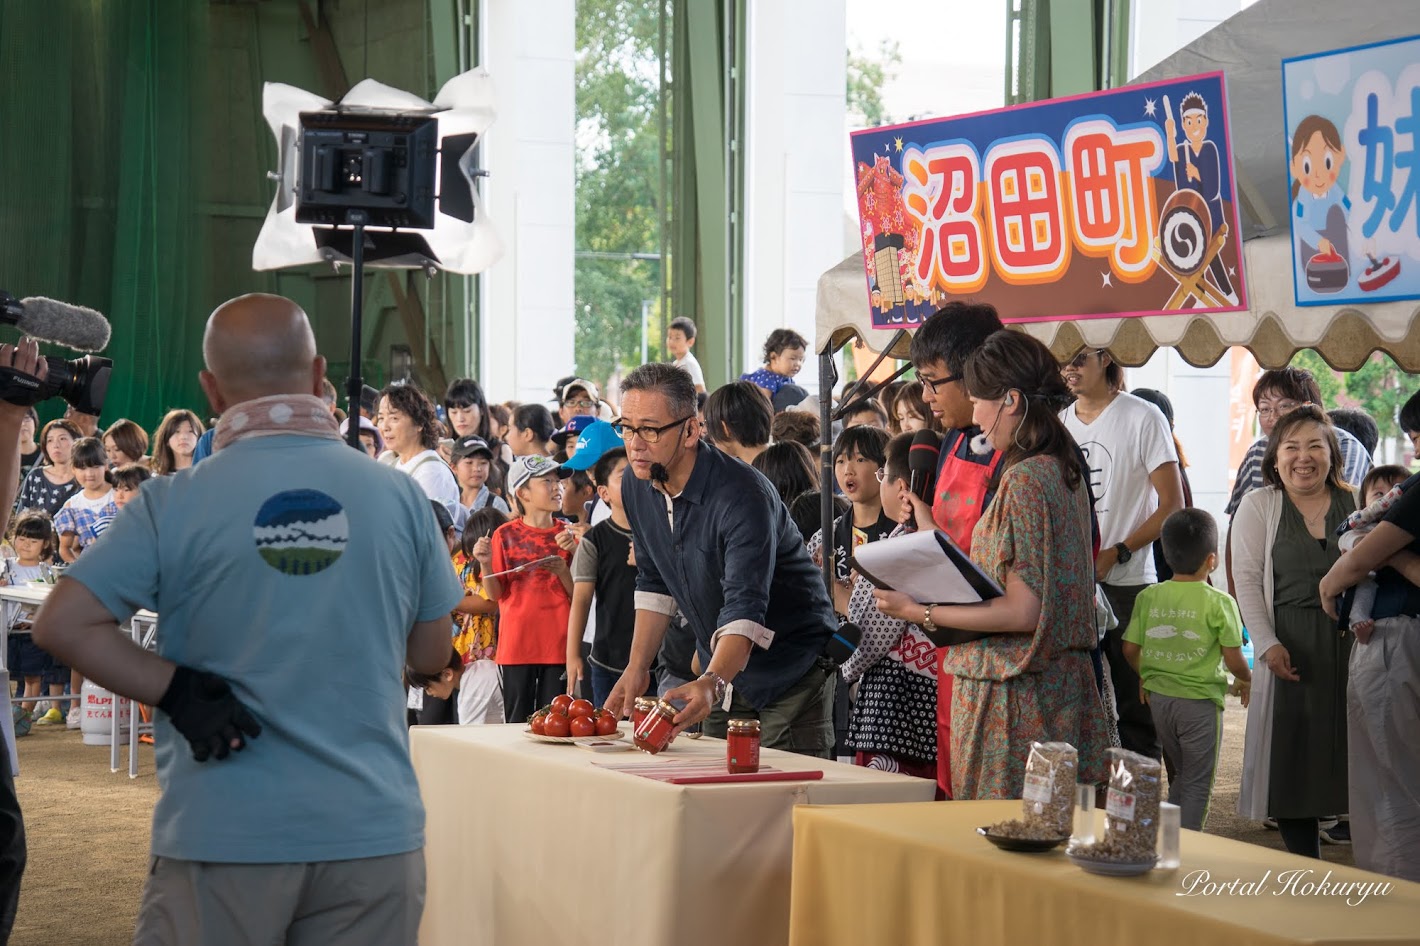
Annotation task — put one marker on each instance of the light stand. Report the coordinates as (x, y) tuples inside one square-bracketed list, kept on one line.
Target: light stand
[(354, 383), (361, 168)]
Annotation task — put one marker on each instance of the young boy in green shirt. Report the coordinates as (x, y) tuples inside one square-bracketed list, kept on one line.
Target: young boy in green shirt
[(1179, 631)]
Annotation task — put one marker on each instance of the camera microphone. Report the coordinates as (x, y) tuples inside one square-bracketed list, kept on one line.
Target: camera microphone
[(73, 326)]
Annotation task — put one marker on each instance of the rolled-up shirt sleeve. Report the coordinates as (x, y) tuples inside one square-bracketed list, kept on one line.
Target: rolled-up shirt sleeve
[(749, 553), (651, 601)]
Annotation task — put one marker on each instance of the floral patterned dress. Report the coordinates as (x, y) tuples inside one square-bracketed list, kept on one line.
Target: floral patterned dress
[(1015, 689)]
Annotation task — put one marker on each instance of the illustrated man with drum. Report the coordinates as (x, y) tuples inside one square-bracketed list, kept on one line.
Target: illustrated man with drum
[(1200, 170)]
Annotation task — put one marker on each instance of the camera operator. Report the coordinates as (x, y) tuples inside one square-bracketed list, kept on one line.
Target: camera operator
[(25, 359)]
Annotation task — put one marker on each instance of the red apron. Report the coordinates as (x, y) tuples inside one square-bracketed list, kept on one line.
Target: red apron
[(961, 497)]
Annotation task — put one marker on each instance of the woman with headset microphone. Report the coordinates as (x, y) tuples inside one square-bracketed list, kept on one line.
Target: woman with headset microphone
[(1027, 677)]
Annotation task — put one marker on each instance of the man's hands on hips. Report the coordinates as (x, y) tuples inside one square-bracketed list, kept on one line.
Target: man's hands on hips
[(207, 713)]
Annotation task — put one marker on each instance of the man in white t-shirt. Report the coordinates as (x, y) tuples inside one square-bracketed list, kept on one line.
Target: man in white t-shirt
[(1134, 477), (680, 339)]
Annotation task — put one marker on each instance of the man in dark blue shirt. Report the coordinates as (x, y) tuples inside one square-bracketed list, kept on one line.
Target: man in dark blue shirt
[(713, 540)]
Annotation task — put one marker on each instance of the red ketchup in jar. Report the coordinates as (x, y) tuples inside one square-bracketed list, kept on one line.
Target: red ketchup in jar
[(639, 709), (654, 733), (742, 746)]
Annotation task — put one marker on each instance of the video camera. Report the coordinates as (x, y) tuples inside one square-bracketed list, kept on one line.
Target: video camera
[(83, 382)]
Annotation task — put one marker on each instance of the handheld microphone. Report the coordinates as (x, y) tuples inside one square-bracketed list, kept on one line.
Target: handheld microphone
[(922, 463), (73, 326)]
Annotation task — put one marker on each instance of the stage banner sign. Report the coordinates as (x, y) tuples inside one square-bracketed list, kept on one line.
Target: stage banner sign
[(1353, 164), (1110, 204)]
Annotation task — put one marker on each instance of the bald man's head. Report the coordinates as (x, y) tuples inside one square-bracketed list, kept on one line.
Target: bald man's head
[(258, 345)]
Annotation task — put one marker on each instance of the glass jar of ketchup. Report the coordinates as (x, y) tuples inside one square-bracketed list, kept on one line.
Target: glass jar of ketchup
[(654, 733), (639, 708), (742, 746)]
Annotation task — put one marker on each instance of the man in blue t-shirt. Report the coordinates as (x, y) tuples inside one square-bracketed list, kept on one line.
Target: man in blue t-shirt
[(290, 572)]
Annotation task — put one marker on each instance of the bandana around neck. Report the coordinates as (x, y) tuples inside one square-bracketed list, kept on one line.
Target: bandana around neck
[(303, 414)]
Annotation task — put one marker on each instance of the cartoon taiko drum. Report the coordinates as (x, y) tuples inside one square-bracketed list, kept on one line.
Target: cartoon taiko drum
[(1185, 229)]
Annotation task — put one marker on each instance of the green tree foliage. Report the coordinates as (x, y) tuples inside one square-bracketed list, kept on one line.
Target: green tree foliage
[(1379, 387), (618, 182), (1333, 388), (868, 72)]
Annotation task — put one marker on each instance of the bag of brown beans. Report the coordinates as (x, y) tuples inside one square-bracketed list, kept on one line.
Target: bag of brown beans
[(1131, 823)]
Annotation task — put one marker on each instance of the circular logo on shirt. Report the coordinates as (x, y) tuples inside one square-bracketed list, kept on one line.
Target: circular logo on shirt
[(301, 531)]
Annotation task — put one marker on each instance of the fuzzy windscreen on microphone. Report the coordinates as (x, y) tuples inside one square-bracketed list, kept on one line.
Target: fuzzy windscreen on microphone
[(73, 326)]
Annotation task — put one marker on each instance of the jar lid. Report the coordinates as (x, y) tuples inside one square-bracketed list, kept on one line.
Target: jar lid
[(665, 709), (645, 703), (744, 725)]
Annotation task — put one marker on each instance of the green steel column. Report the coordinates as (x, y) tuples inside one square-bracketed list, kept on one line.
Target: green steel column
[(1073, 57), (700, 111)]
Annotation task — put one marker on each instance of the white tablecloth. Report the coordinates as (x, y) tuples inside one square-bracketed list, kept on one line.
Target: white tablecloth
[(512, 824)]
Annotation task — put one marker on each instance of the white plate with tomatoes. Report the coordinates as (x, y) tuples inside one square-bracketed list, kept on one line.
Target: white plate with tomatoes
[(572, 739), (569, 720)]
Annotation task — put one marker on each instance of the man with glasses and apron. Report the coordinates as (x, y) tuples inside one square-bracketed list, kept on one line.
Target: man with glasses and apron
[(965, 478)]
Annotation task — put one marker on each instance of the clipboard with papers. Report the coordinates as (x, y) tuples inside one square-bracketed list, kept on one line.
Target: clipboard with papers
[(928, 567)]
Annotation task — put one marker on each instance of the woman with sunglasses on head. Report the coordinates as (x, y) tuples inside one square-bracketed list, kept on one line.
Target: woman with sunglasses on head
[(1134, 476), (1026, 676)]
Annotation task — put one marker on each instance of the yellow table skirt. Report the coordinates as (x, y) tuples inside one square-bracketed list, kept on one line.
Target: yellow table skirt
[(919, 874)]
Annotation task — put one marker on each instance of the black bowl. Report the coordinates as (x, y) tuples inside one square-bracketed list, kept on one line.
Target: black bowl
[(1027, 845)]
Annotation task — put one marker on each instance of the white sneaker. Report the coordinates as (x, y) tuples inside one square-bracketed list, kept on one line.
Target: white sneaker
[(75, 718)]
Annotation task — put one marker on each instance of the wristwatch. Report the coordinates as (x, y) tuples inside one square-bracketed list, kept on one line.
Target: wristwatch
[(720, 685), (1124, 554), (927, 623)]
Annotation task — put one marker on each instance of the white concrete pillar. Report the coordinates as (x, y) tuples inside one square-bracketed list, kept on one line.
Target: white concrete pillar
[(795, 154), (527, 319)]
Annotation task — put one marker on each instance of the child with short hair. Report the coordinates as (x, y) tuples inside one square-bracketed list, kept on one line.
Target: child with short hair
[(525, 569), (476, 627), (1380, 490), (88, 512), (784, 352), (891, 725), (441, 689), (865, 412), (858, 456), (578, 494), (680, 339), (127, 480), (33, 540), (601, 569), (1177, 633), (473, 464)]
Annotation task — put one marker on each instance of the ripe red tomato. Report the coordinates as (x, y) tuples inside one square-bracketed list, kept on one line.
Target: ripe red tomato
[(556, 725), (583, 726), (560, 702), (580, 708), (536, 724), (606, 724)]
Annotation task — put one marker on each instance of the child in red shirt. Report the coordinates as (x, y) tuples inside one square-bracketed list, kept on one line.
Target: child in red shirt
[(533, 599)]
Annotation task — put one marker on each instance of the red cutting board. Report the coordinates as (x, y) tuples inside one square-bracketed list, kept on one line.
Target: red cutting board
[(694, 772), (760, 776)]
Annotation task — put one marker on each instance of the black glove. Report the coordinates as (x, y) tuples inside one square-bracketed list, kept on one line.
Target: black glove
[(203, 709)]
